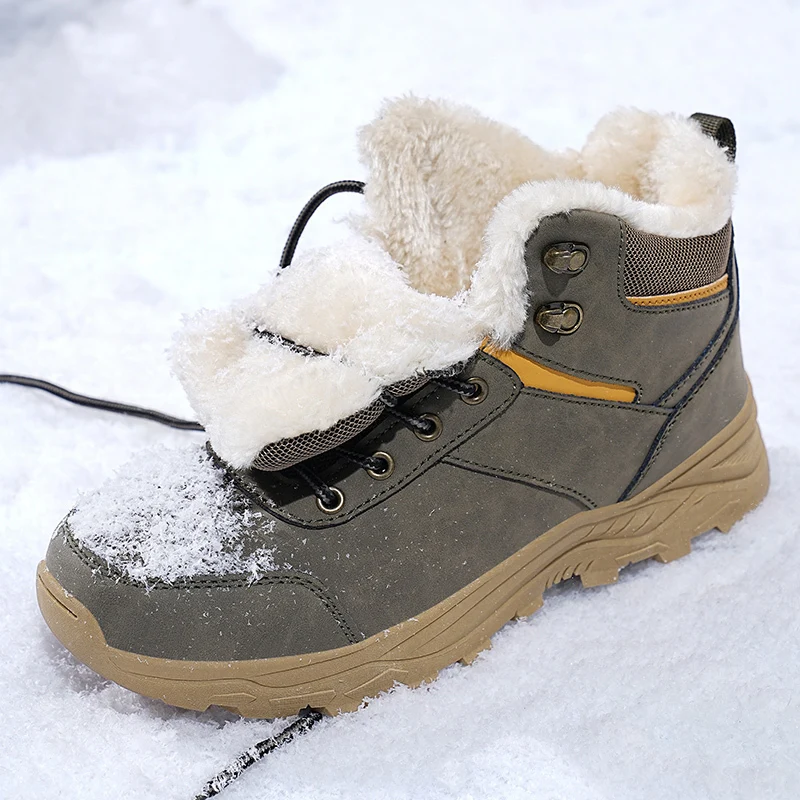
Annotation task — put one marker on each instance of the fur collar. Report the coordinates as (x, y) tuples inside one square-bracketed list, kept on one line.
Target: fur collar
[(439, 266)]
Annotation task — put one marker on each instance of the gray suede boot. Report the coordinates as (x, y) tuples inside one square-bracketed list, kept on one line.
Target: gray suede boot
[(525, 367)]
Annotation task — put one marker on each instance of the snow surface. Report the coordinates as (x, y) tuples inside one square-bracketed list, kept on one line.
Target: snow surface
[(152, 158), (168, 514)]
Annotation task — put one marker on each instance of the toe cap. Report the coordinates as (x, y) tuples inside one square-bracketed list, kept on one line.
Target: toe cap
[(213, 618)]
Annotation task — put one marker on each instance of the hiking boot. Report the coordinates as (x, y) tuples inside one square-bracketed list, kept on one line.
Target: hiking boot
[(524, 366)]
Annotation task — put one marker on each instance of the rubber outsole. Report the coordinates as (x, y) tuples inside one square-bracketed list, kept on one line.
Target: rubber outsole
[(714, 488)]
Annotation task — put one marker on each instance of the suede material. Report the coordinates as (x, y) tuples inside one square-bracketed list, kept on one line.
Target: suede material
[(709, 395), (502, 473), (402, 552), (212, 619), (711, 407), (290, 500), (713, 351), (422, 544), (618, 342), (586, 448)]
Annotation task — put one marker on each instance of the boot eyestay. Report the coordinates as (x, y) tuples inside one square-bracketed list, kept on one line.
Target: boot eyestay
[(566, 258), (472, 391), (561, 318), (425, 426), (329, 498), (380, 465)]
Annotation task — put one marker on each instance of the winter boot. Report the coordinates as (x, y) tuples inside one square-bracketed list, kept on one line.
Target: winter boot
[(524, 367)]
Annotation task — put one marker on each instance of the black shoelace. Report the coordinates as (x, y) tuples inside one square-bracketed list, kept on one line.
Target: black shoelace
[(425, 426), (103, 405), (157, 416), (306, 720), (377, 464)]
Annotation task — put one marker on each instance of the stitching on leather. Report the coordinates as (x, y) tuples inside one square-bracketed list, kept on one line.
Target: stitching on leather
[(585, 372), (678, 298), (687, 307), (577, 371), (458, 461), (259, 496), (696, 364), (394, 425), (658, 443), (417, 471), (724, 326), (94, 562), (670, 423), (684, 307), (662, 412)]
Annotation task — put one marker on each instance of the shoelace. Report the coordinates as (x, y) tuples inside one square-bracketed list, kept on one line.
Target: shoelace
[(99, 403), (157, 416), (308, 211), (426, 426), (306, 720)]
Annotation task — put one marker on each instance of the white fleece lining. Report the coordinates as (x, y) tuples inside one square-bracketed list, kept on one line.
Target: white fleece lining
[(353, 303), (445, 185), (437, 173)]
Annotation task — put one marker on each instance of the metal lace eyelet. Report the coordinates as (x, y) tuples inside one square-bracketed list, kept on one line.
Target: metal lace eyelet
[(388, 470), (480, 395), (334, 508), (436, 430)]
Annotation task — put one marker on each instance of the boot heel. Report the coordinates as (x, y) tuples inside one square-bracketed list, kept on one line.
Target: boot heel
[(727, 478), (715, 488)]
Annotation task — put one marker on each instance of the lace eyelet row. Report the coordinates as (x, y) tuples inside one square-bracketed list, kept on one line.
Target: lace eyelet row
[(434, 430)]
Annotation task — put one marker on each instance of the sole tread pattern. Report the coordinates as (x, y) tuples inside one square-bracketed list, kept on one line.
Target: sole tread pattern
[(713, 489)]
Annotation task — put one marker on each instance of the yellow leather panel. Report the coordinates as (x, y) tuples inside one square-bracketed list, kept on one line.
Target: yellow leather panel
[(538, 376), (682, 297)]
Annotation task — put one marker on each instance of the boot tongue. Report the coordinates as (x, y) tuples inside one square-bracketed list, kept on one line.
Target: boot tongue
[(436, 173)]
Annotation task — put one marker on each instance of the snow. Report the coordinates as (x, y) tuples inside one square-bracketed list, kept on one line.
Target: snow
[(168, 514), (112, 76), (152, 158)]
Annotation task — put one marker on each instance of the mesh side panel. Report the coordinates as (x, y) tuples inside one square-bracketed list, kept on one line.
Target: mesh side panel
[(288, 452), (663, 265)]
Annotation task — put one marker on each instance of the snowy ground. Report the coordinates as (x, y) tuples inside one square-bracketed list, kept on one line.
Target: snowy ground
[(152, 157)]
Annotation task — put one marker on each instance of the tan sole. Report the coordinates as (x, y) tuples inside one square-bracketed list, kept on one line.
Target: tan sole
[(716, 487)]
